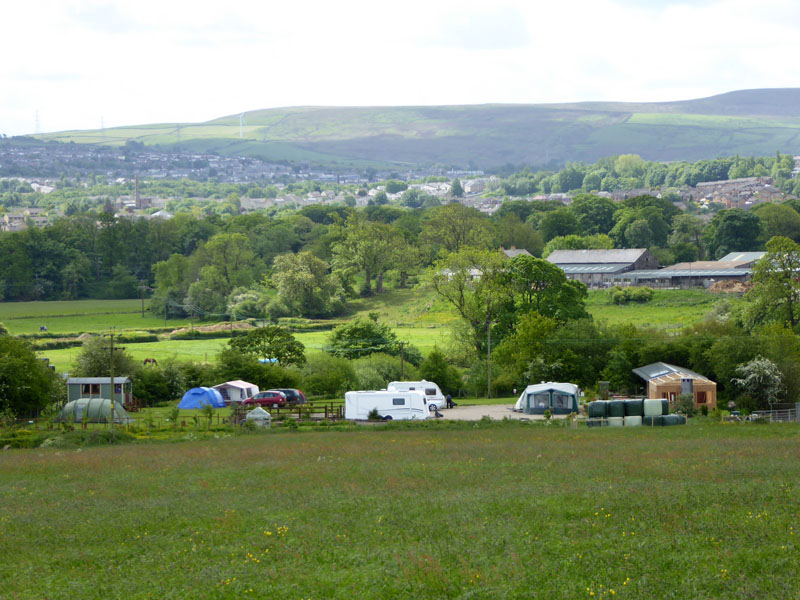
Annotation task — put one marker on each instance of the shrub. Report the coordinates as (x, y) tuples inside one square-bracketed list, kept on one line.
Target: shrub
[(620, 295), (685, 405), (326, 375)]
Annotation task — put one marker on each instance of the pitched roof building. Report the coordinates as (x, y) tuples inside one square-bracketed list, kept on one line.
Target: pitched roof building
[(598, 267)]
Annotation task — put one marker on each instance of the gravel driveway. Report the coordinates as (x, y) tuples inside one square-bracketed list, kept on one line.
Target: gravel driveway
[(493, 411)]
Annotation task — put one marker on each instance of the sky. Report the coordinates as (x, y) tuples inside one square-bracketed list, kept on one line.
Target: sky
[(79, 64)]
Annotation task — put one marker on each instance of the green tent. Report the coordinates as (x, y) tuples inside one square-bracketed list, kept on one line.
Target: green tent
[(93, 410)]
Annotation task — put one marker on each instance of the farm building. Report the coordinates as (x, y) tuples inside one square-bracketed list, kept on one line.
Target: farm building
[(598, 267), (736, 266), (558, 398), (668, 381), (100, 387), (236, 391)]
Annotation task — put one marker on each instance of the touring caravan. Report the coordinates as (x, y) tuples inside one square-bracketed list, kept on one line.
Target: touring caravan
[(433, 395), (390, 404), (558, 398)]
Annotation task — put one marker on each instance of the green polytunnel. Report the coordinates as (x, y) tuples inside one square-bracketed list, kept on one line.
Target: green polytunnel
[(93, 410)]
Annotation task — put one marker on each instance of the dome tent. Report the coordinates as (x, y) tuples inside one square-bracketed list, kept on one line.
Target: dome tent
[(201, 396), (93, 410)]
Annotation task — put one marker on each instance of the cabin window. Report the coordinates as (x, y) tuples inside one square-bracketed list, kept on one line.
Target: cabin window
[(430, 392), (399, 401), (541, 400), (90, 389), (701, 398), (562, 401), (117, 388)]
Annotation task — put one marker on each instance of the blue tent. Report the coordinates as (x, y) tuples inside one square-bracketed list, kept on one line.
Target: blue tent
[(200, 396)]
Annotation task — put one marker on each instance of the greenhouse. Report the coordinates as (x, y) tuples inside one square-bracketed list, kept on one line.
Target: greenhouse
[(93, 410)]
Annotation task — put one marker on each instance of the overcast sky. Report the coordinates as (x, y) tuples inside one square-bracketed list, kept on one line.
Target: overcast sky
[(81, 63)]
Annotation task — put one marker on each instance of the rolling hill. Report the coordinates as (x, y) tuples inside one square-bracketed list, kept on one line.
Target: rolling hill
[(746, 122)]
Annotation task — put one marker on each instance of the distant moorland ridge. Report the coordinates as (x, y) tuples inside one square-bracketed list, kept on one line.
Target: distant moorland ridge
[(746, 122)]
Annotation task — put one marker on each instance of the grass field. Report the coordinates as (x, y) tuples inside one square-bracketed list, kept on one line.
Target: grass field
[(78, 316), (502, 510), (206, 350), (415, 314), (669, 309)]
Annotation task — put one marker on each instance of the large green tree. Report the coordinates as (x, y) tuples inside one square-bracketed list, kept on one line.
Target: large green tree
[(454, 226), (305, 286), (776, 294), (26, 383), (271, 342)]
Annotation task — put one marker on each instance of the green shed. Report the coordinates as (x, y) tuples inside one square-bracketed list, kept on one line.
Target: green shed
[(100, 387)]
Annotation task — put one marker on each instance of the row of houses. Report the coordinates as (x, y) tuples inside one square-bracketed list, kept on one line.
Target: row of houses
[(637, 266)]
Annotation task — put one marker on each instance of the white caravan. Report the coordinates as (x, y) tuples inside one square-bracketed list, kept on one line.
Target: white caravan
[(391, 404), (432, 392)]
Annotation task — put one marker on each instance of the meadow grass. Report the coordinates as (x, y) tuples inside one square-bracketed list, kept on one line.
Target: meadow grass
[(476, 510), (669, 309), (415, 314), (80, 316)]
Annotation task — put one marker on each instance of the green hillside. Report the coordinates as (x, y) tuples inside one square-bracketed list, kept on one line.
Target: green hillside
[(749, 122)]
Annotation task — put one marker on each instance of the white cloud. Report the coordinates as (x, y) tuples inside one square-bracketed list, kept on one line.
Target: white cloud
[(151, 61)]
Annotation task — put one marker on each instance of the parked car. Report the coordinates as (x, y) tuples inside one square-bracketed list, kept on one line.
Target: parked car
[(269, 398), (293, 396)]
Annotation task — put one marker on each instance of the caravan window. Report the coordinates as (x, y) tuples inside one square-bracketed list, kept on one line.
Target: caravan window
[(562, 400), (399, 401), (541, 400), (430, 392)]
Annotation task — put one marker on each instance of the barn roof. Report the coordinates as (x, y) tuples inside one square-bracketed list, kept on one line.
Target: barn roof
[(661, 369), (629, 255), (120, 379)]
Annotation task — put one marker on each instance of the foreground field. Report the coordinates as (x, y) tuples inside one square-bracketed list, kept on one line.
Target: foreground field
[(458, 511)]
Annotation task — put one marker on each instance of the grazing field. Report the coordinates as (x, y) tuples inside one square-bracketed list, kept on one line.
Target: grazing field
[(669, 309), (415, 314), (206, 350), (79, 316), (484, 510)]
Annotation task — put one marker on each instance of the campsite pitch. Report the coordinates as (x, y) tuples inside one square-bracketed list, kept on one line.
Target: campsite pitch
[(430, 510)]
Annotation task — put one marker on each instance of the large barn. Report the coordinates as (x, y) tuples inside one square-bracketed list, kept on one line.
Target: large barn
[(736, 266), (600, 267)]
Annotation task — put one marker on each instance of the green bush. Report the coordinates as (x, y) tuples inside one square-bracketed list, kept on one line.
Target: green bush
[(624, 295), (330, 376)]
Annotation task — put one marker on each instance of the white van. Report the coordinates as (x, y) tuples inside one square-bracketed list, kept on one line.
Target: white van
[(432, 392), (390, 404)]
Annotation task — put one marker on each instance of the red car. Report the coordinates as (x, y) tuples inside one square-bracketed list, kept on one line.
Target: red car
[(270, 399)]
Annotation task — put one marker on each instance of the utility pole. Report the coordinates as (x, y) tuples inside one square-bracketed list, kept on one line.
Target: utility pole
[(111, 349), (488, 356)]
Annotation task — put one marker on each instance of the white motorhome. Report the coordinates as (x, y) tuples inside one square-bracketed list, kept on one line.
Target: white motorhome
[(433, 394), (390, 404)]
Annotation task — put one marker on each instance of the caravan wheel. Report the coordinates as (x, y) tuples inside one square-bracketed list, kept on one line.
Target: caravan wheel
[(387, 418)]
